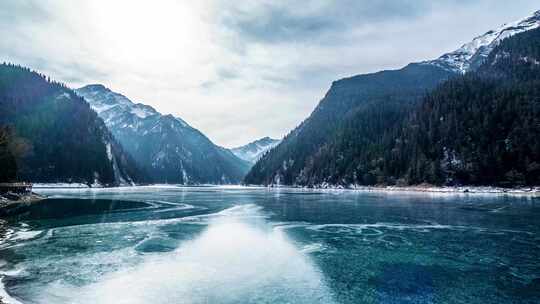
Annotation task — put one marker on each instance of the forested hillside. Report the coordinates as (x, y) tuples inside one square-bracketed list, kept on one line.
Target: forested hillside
[(369, 104), (7, 155), (51, 135), (481, 129)]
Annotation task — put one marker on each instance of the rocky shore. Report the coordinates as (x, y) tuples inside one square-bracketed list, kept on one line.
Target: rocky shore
[(534, 191), (11, 203), (423, 188), (3, 233)]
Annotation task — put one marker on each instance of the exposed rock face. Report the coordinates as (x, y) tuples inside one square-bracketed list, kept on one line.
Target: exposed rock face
[(166, 147)]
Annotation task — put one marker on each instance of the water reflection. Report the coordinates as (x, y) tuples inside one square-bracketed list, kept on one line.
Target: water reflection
[(238, 258)]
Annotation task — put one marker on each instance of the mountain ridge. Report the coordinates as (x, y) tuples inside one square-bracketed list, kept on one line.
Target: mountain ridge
[(65, 140), (254, 150), (358, 115), (472, 54), (354, 98), (165, 146)]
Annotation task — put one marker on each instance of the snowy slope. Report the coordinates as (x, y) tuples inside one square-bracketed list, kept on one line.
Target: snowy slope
[(170, 150), (110, 105), (472, 54), (253, 151)]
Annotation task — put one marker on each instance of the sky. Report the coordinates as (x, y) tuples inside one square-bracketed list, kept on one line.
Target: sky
[(237, 70)]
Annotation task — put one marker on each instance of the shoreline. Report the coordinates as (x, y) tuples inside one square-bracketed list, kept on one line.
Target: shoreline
[(3, 236), (10, 207), (457, 189), (428, 189), (527, 191)]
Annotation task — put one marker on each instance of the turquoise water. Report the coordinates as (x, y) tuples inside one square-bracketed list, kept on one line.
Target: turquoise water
[(238, 245)]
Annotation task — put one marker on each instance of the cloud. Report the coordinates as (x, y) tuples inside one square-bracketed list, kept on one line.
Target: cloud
[(236, 70), (281, 22)]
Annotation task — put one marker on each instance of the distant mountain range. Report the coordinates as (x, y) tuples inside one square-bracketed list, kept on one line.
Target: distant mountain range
[(384, 128), (471, 116), (165, 147), (253, 151)]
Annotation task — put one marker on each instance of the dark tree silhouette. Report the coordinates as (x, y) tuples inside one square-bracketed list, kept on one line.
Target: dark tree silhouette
[(63, 139)]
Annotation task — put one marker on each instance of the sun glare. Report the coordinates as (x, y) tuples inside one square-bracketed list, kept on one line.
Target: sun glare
[(171, 33)]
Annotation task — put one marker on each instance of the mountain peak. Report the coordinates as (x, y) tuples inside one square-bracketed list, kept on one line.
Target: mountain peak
[(95, 86), (265, 141), (102, 98), (472, 54), (254, 150), (165, 146)]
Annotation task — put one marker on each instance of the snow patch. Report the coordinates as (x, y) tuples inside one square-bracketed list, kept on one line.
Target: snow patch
[(471, 53), (59, 185), (63, 96), (109, 151), (253, 151), (142, 111)]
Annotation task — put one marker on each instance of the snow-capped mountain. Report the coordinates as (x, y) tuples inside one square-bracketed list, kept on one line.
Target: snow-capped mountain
[(166, 147), (364, 107), (471, 55), (253, 151)]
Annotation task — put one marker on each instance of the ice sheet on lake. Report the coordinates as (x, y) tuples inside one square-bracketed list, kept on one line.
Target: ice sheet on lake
[(237, 259)]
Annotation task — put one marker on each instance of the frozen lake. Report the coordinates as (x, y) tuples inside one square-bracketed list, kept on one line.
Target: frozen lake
[(250, 245)]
